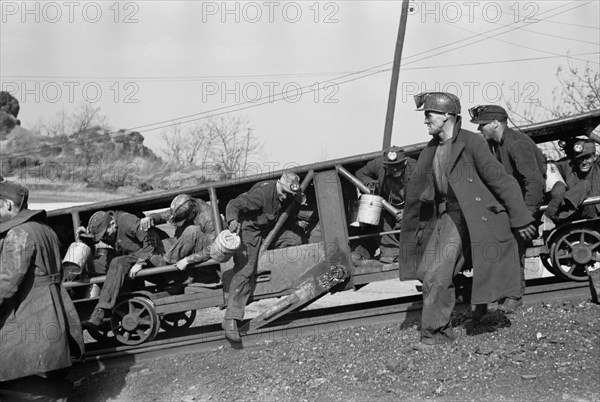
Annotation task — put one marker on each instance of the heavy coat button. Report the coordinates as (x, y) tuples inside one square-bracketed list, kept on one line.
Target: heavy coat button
[(483, 218), (477, 199)]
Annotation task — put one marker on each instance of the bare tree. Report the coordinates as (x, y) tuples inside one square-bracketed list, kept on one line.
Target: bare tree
[(187, 147), (86, 117), (224, 144), (83, 118), (578, 92), (233, 143)]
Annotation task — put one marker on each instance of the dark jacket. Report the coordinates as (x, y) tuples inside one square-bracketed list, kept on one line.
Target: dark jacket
[(39, 327), (203, 220), (258, 209), (579, 187), (132, 240), (391, 189), (523, 160), (491, 203)]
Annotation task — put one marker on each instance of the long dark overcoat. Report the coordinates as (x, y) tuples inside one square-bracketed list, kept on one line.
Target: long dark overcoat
[(39, 327), (491, 202)]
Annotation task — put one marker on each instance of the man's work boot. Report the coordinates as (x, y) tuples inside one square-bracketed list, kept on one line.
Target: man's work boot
[(510, 305), (96, 318), (231, 329), (479, 311)]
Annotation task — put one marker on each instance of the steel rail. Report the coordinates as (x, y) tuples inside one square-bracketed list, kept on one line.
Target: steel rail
[(312, 322)]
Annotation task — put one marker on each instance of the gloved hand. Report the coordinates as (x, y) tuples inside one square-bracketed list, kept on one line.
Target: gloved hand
[(146, 223), (234, 226), (182, 264), (80, 231), (528, 232), (300, 198), (134, 270), (372, 185), (399, 216)]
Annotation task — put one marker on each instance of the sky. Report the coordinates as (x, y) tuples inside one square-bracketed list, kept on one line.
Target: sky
[(313, 78)]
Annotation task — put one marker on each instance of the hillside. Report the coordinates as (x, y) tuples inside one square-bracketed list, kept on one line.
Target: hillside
[(85, 164)]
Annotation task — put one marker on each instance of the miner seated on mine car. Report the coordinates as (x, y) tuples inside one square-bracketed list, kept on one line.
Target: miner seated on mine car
[(194, 233), (385, 176), (301, 227), (133, 247), (581, 179)]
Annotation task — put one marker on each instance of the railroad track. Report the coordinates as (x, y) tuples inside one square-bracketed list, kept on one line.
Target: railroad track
[(312, 322)]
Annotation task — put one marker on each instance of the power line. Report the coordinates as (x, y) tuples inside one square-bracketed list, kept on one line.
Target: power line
[(480, 34), (192, 117), (519, 45)]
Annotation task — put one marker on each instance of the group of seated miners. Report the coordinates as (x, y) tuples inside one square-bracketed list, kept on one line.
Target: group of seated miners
[(124, 244)]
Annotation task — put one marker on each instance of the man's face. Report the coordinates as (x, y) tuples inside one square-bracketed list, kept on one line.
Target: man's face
[(282, 195), (7, 210), (396, 170), (434, 122), (487, 130), (585, 164)]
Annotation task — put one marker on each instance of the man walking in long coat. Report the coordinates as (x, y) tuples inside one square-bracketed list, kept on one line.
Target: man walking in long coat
[(459, 210), (521, 159), (39, 327)]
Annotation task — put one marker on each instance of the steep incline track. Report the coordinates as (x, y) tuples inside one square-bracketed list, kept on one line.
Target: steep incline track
[(310, 322)]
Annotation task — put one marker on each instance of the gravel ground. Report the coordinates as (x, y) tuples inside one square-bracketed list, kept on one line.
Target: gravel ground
[(546, 351)]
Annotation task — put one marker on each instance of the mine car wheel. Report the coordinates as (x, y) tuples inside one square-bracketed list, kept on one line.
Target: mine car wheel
[(180, 320), (547, 263), (134, 321), (574, 251)]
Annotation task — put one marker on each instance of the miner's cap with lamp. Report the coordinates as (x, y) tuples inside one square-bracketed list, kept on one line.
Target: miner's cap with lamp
[(182, 207), (290, 183), (440, 102), (393, 156), (583, 149), (98, 224), (15, 192), (484, 114)]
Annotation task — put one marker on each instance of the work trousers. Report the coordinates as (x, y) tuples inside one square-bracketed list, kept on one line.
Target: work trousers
[(191, 241), (521, 247), (243, 282), (117, 271), (441, 262), (389, 245)]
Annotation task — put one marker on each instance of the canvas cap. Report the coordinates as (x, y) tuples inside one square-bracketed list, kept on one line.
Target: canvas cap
[(484, 114), (583, 149), (393, 155), (290, 183), (14, 192)]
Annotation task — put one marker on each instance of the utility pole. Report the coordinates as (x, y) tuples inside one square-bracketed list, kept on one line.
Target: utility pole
[(389, 118)]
